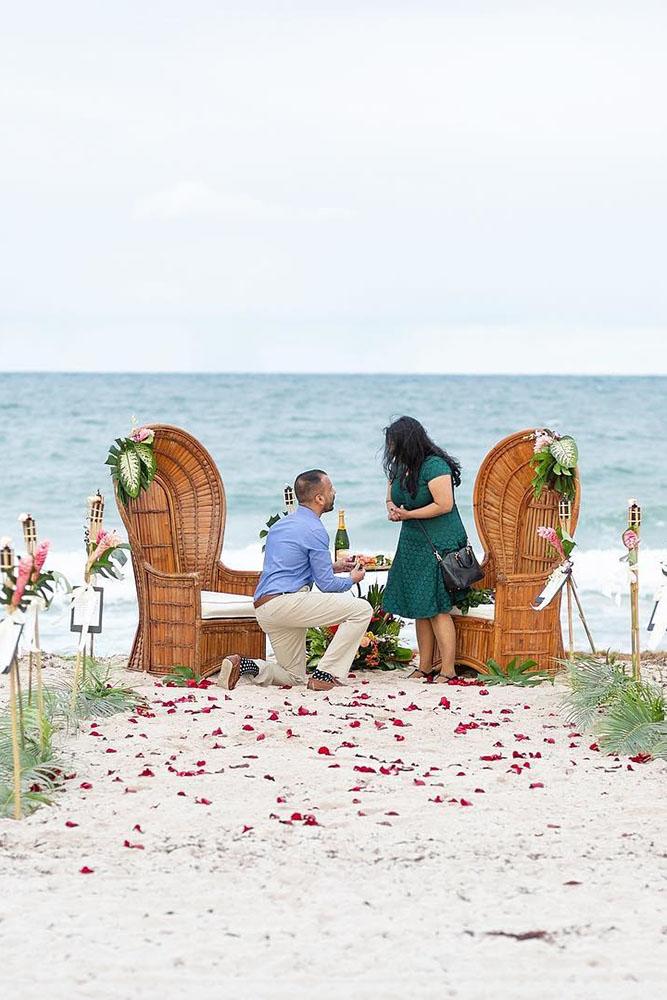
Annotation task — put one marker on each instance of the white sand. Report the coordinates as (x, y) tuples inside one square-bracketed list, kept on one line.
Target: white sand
[(391, 895)]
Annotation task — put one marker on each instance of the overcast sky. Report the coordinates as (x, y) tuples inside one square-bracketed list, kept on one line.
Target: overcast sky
[(449, 186)]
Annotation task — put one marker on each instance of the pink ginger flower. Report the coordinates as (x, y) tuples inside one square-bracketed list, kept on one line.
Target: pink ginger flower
[(25, 569), (630, 539), (140, 434), (105, 540), (542, 440), (550, 535), (41, 553)]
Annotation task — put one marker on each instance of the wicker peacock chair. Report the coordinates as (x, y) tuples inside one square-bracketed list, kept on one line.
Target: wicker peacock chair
[(517, 563), (191, 609)]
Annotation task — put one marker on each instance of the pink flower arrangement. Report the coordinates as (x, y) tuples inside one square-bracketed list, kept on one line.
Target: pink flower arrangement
[(39, 559), (22, 578), (630, 539), (551, 536), (105, 540), (142, 434), (543, 439)]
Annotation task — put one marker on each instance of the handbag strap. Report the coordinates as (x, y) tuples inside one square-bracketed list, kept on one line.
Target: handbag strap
[(430, 542), (428, 539)]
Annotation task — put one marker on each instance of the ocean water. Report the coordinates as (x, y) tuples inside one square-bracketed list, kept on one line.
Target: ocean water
[(55, 431)]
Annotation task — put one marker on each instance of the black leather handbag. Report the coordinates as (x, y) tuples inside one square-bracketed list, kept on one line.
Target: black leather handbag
[(459, 569)]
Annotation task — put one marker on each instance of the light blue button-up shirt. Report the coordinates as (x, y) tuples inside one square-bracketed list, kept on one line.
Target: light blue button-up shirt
[(297, 555)]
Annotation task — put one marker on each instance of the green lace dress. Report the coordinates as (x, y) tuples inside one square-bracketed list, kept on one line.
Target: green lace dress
[(414, 587)]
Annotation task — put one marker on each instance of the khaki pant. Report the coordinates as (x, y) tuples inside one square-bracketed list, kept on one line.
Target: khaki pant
[(285, 620)]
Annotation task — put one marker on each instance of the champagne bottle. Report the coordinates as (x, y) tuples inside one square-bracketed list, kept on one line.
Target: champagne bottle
[(342, 542)]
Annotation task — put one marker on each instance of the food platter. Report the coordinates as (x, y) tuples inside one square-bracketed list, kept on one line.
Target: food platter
[(374, 564)]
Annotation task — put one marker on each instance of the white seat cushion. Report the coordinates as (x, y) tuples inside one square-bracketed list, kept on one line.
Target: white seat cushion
[(486, 611), (217, 605)]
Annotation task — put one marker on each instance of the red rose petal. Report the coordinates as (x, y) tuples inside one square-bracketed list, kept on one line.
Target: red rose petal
[(70, 823), (86, 870)]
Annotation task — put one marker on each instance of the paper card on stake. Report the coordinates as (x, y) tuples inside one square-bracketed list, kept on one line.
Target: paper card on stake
[(554, 585), (10, 635), (87, 609)]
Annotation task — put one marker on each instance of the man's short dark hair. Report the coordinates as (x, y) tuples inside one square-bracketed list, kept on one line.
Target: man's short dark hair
[(307, 484)]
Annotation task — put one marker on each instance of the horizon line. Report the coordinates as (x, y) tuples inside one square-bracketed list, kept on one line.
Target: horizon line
[(341, 374)]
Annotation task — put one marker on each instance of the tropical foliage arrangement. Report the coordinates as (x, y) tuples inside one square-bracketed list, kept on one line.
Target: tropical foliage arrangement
[(269, 524), (28, 581), (554, 462), (185, 677), (380, 648), (625, 715), (519, 674), (42, 769), (105, 552), (474, 598), (558, 539), (132, 462)]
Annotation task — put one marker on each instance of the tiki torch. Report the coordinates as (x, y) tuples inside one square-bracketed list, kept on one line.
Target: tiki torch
[(6, 557), (289, 499), (95, 517), (6, 569), (631, 542), (29, 532)]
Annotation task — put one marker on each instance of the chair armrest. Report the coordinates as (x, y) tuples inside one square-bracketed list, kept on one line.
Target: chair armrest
[(171, 579), (180, 591), (235, 581), (539, 579)]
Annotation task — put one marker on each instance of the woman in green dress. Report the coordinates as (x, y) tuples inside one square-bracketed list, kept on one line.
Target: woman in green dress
[(420, 492)]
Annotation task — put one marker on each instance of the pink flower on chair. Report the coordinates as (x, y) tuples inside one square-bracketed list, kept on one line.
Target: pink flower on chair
[(550, 535), (25, 569), (140, 434), (543, 440)]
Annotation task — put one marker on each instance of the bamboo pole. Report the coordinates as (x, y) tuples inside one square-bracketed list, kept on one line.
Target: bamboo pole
[(75, 682), (40, 688), (580, 609), (16, 751)]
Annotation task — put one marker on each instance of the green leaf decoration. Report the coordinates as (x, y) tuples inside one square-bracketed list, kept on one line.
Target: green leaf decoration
[(147, 459), (129, 471), (521, 674), (565, 452)]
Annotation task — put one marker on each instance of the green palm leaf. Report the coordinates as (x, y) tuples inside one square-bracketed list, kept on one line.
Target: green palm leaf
[(594, 683), (634, 723)]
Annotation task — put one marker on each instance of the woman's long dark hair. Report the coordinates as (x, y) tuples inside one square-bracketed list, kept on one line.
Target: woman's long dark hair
[(406, 447)]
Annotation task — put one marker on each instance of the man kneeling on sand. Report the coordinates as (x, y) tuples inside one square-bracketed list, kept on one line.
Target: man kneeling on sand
[(297, 556)]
